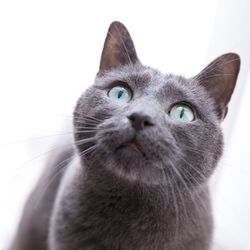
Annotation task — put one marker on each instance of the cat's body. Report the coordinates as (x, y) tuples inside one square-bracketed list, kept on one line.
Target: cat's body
[(136, 178), (120, 216), (34, 225)]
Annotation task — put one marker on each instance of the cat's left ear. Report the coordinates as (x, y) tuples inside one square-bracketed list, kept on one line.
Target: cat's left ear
[(219, 79), (118, 48)]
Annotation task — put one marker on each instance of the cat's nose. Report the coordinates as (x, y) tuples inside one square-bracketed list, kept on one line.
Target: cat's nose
[(140, 120)]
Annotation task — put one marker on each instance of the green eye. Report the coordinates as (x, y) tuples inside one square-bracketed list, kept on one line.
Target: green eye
[(182, 112), (120, 94)]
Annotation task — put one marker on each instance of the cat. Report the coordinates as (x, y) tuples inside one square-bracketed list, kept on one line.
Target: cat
[(136, 175)]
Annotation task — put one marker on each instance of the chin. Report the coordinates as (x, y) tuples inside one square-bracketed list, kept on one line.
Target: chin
[(133, 167)]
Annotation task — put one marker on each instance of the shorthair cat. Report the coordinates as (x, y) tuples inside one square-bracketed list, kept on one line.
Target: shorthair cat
[(136, 176)]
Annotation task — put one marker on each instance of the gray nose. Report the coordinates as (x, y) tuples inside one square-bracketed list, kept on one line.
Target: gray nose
[(140, 120)]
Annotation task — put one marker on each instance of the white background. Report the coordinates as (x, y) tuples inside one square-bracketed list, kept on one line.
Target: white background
[(49, 53)]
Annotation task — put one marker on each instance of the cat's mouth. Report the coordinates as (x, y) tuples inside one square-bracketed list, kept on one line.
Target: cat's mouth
[(133, 146)]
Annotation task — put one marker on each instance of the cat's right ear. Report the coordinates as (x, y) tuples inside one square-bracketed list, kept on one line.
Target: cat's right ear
[(118, 48)]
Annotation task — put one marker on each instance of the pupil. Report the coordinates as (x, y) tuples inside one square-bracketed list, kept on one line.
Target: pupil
[(182, 113), (120, 93)]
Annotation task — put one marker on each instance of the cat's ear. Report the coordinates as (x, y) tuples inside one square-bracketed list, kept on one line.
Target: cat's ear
[(219, 79), (118, 48)]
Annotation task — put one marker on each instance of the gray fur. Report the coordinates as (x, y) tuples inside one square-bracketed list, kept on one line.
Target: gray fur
[(114, 199)]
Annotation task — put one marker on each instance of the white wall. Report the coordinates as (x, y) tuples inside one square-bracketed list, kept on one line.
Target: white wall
[(49, 53), (231, 186)]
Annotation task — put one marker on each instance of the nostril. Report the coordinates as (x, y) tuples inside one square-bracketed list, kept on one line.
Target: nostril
[(147, 123), (131, 118), (140, 120)]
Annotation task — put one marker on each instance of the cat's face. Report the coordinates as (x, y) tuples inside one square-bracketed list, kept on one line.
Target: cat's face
[(145, 126)]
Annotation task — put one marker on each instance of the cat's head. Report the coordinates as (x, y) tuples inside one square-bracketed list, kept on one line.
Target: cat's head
[(142, 125)]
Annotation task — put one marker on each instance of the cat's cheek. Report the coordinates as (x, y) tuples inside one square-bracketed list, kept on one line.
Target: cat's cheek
[(111, 134)]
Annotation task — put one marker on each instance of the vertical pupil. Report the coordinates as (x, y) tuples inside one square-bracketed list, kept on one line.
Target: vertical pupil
[(182, 112), (120, 93)]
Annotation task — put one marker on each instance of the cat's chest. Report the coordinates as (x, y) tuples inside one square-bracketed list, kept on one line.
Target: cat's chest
[(116, 217), (125, 218), (121, 224)]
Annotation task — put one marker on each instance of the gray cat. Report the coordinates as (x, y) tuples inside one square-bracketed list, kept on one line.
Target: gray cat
[(145, 146)]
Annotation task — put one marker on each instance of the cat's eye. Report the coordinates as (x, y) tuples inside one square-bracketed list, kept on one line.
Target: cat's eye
[(182, 112), (120, 94)]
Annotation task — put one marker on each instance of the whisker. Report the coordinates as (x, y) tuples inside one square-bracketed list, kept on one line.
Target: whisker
[(54, 149), (34, 138), (85, 131), (58, 169), (178, 174), (86, 121), (92, 117), (176, 208), (191, 195), (197, 172), (84, 118)]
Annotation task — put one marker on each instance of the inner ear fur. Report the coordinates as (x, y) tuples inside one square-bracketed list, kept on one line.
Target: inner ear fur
[(118, 48), (219, 79)]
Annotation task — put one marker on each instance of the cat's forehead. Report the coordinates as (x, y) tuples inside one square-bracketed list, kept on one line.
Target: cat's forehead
[(146, 79)]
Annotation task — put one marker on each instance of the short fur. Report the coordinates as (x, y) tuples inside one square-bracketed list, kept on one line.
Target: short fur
[(111, 197)]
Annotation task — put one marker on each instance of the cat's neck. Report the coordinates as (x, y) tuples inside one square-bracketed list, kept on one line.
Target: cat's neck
[(98, 179), (111, 200)]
